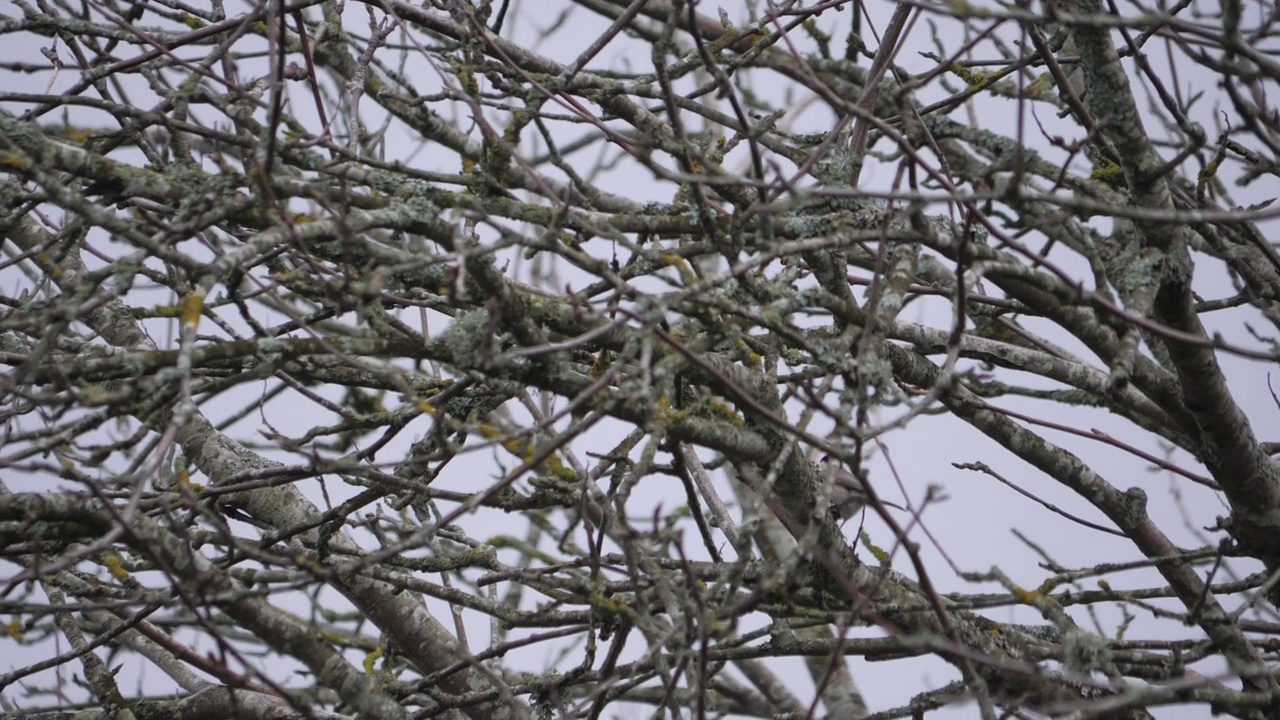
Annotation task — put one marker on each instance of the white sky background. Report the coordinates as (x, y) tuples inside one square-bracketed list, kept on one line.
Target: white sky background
[(974, 525)]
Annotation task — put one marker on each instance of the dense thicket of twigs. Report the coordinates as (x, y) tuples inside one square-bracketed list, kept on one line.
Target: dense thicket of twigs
[(470, 359)]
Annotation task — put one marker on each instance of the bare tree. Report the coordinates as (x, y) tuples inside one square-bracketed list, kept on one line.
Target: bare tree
[(474, 359)]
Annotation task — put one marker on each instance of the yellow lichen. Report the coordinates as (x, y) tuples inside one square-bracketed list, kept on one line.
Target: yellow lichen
[(15, 160), (971, 78), (189, 309), (1029, 597), (371, 659), (184, 481), (876, 551), (664, 413), (1111, 174), (724, 411), (114, 565)]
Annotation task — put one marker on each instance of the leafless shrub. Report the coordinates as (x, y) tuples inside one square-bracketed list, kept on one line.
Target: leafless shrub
[(447, 359)]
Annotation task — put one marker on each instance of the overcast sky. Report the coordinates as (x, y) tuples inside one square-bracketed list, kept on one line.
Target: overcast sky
[(976, 523)]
